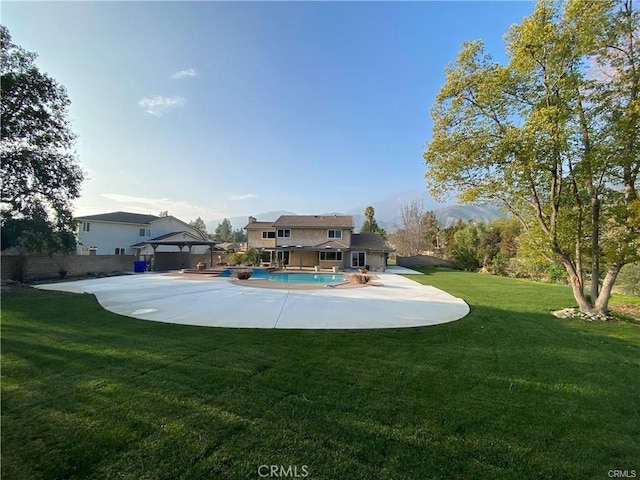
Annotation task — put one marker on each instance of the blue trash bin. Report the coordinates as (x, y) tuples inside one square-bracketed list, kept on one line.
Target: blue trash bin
[(139, 267)]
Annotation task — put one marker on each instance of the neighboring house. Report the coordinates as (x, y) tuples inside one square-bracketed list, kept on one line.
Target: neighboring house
[(324, 241), (145, 236), (232, 246)]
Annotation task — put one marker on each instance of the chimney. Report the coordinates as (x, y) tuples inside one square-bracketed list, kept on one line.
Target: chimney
[(252, 219)]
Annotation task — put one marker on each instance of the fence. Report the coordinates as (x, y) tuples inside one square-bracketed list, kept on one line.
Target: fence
[(27, 268), (424, 261)]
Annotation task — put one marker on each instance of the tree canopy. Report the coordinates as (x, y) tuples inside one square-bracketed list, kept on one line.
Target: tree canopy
[(552, 136), (224, 231), (199, 224), (40, 176), (370, 225)]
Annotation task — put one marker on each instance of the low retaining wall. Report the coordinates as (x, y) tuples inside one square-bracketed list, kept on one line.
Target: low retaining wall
[(424, 261), (16, 267)]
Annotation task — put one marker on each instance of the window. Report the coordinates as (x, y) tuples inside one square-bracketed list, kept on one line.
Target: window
[(144, 232), (86, 227), (335, 233), (268, 234), (331, 256), (284, 233), (119, 251)]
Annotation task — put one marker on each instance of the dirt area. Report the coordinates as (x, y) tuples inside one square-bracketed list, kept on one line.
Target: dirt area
[(626, 309)]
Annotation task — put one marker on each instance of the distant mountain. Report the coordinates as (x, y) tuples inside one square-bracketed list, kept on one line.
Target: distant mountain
[(448, 216), (387, 213), (241, 222)]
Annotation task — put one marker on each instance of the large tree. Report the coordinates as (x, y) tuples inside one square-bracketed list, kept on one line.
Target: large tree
[(199, 224), (553, 136), (370, 225), (40, 176), (224, 231), (410, 239)]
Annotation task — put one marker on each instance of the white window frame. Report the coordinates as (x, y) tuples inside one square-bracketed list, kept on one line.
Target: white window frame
[(282, 233), (265, 235), (144, 232), (337, 233), (86, 226), (120, 251)]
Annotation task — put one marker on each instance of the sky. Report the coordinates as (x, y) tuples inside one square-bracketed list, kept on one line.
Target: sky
[(218, 109)]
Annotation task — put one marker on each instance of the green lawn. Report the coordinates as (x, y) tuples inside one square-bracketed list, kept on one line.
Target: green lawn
[(507, 392)]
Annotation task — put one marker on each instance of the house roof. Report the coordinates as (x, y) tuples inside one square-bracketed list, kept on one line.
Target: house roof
[(121, 217), (166, 239), (369, 241), (314, 221), (258, 225), (163, 237), (332, 245)]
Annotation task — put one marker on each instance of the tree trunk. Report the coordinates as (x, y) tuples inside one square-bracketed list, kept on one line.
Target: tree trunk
[(595, 248), (601, 306), (577, 288)]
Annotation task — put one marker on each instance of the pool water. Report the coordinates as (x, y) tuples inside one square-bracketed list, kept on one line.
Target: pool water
[(292, 277)]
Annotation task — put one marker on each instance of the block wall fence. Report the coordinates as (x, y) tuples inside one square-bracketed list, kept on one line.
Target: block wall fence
[(424, 261)]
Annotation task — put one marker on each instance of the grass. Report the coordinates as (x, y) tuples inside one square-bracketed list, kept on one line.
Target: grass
[(507, 392)]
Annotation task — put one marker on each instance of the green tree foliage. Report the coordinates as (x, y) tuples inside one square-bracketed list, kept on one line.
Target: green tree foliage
[(476, 245), (239, 236), (370, 224), (199, 224), (224, 232), (629, 279), (553, 136), (431, 230), (40, 176)]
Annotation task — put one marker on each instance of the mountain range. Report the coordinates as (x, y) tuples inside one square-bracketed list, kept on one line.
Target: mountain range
[(387, 213)]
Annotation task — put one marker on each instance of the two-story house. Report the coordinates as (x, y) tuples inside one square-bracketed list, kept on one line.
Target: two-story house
[(124, 233), (168, 240), (324, 241)]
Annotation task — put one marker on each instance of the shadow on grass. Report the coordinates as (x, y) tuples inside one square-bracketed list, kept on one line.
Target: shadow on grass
[(499, 392)]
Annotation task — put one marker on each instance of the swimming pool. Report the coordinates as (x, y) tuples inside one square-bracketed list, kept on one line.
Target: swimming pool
[(292, 277)]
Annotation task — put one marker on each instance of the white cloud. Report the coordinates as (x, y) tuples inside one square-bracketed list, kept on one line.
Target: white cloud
[(180, 209), (246, 196), (157, 105), (189, 72)]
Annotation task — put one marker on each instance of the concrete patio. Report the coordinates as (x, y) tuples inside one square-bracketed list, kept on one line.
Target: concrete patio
[(212, 302)]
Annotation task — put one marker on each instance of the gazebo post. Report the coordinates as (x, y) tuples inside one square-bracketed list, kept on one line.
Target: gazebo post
[(154, 246)]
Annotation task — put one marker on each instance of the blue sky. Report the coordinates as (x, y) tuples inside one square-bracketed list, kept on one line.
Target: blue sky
[(217, 109)]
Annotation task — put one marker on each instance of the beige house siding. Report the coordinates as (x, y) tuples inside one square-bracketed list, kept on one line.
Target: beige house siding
[(333, 263), (309, 237), (309, 259), (375, 260), (255, 240)]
